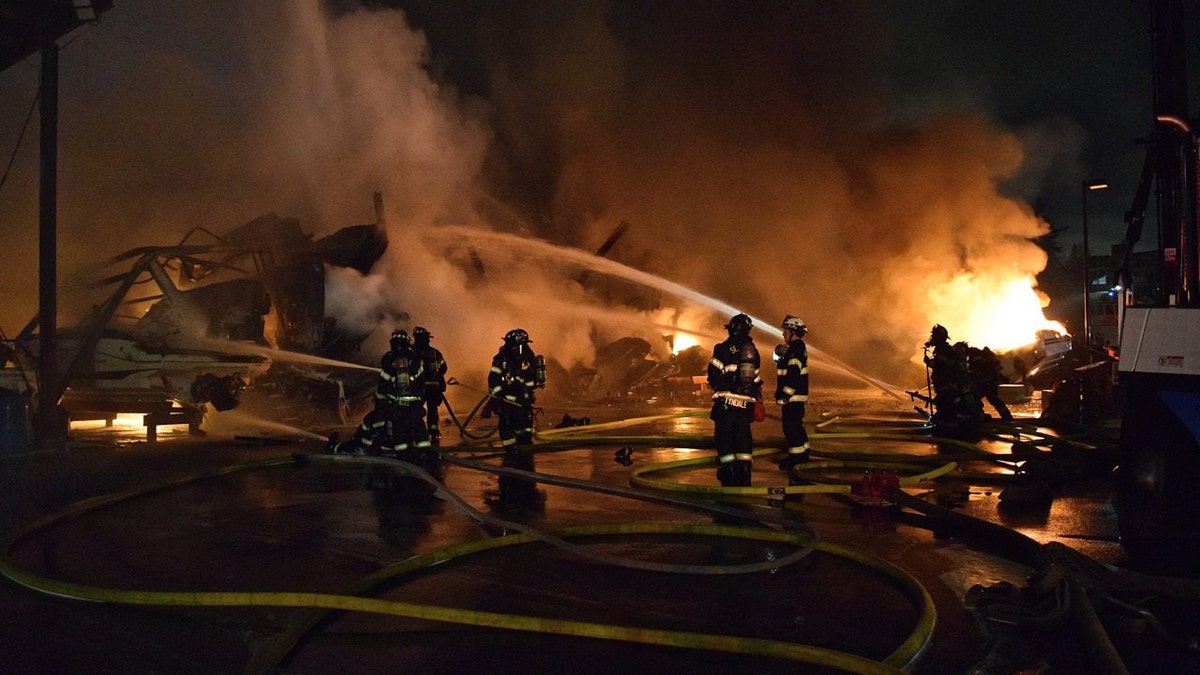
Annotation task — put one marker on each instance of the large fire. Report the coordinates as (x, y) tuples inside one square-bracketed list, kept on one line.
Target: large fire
[(986, 311), (680, 327), (682, 340)]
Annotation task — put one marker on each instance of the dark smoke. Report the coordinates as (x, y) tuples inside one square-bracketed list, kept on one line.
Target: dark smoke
[(753, 147)]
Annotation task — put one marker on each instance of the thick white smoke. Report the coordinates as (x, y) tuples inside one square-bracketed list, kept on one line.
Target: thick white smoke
[(353, 110)]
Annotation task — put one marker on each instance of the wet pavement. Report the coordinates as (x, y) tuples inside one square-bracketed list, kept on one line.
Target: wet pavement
[(267, 516)]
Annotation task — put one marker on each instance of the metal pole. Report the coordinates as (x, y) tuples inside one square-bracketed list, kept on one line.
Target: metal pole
[(46, 415), (1085, 187), (1087, 281)]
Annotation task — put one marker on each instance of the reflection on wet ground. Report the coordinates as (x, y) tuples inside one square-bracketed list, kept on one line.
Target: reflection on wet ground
[(261, 512)]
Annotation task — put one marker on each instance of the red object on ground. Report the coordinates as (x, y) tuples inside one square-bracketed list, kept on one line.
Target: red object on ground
[(877, 486)]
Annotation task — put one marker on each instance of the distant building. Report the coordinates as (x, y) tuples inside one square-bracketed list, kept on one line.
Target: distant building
[(1145, 290)]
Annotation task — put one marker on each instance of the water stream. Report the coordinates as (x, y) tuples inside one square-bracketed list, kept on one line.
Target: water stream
[(456, 235), (251, 349), (234, 420)]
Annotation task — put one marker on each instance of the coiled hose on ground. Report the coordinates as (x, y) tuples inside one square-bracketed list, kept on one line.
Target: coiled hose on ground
[(902, 657), (779, 529)]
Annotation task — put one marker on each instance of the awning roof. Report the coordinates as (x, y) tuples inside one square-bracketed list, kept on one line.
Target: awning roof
[(25, 23)]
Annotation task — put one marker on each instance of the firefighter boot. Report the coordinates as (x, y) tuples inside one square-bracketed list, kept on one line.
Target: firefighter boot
[(741, 473), (725, 474), (793, 459)]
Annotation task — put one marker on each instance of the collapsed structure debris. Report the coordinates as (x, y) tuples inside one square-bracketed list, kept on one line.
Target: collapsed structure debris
[(239, 318)]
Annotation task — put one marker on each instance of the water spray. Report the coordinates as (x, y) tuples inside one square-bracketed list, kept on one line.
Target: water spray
[(251, 349), (454, 235), (236, 417)]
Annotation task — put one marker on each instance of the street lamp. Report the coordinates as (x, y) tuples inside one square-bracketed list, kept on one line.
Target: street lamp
[(1086, 187)]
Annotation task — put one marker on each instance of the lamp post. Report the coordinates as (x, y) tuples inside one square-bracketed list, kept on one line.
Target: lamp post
[(1086, 187)]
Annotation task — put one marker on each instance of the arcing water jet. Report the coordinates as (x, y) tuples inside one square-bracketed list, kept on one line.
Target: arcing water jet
[(246, 348), (454, 235)]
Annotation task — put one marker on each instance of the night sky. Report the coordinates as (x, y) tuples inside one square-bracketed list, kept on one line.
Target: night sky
[(1071, 79), (822, 159)]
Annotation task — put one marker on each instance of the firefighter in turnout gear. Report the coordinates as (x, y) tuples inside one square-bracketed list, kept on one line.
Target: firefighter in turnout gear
[(516, 373), (734, 379), (957, 411), (987, 374), (435, 380), (374, 435), (371, 435), (791, 389), (402, 381)]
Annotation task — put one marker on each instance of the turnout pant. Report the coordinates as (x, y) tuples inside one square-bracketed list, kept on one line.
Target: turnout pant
[(410, 438), (794, 431), (433, 399), (735, 443), (515, 425), (516, 435)]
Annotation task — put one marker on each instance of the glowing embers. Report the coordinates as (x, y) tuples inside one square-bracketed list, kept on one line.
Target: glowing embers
[(118, 422)]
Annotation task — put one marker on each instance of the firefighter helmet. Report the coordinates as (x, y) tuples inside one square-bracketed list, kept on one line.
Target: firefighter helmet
[(517, 336), (794, 324), (939, 333), (399, 339), (421, 334), (740, 324)]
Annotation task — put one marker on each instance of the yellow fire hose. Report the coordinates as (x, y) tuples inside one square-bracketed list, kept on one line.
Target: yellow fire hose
[(639, 477), (903, 657), (908, 652), (587, 429)]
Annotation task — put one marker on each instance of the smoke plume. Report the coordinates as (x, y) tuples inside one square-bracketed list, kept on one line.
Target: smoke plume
[(749, 145)]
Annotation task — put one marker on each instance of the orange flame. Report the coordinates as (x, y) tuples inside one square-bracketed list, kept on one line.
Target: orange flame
[(985, 311), (681, 326), (120, 422), (683, 340)]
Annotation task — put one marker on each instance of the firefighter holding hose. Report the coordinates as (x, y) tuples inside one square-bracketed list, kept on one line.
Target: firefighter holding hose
[(402, 386), (734, 379), (435, 380), (957, 410), (389, 427), (517, 373)]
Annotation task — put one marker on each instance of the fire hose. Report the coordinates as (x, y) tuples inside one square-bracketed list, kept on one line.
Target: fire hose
[(908, 652), (1076, 597), (876, 466), (487, 400), (462, 426), (674, 638)]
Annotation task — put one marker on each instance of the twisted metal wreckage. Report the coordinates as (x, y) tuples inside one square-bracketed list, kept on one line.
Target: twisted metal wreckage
[(243, 316)]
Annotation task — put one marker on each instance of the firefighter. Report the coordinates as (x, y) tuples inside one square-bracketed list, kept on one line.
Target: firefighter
[(369, 437), (957, 411), (374, 434), (734, 379), (791, 389), (435, 381), (516, 373), (987, 374), (402, 379)]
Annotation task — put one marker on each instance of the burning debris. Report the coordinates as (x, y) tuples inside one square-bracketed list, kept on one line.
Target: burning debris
[(239, 319)]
